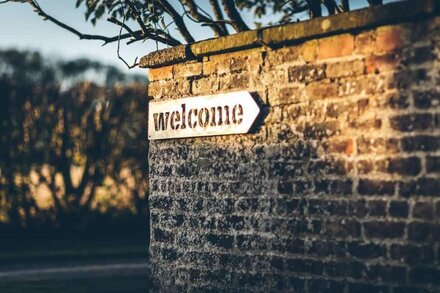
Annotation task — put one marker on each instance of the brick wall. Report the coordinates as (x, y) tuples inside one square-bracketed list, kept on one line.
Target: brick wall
[(339, 189)]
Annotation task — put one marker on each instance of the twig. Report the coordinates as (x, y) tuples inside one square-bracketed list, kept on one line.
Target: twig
[(137, 16), (178, 20), (81, 36), (194, 15), (135, 63), (126, 27), (218, 13)]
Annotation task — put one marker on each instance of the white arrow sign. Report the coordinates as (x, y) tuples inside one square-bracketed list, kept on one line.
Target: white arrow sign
[(221, 114)]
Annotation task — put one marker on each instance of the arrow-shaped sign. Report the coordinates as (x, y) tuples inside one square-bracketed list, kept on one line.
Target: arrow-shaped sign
[(221, 114)]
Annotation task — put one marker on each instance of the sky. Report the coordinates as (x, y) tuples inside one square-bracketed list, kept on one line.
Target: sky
[(21, 28)]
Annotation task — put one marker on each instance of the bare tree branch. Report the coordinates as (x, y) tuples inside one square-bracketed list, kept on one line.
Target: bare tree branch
[(218, 13), (177, 19), (126, 27), (81, 36), (233, 14), (119, 41), (193, 10), (345, 5), (314, 8), (137, 16), (137, 35), (331, 6)]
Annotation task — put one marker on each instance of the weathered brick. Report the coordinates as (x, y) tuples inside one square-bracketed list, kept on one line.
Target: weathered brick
[(336, 187), (320, 90), (161, 202), (290, 95), (389, 38), (376, 187), (420, 143), (419, 231), (336, 46), (383, 229), (165, 72), (405, 166), (382, 63), (316, 206), (344, 228), (235, 82), (399, 209), (412, 122), (425, 275), (357, 208), (366, 250), (377, 145), (423, 210), (386, 273), (420, 187), (306, 73), (205, 85), (365, 166), (419, 55), (319, 285), (397, 100), (347, 269), (223, 241), (163, 236), (426, 99), (412, 254), (344, 146), (365, 288), (304, 266), (188, 69), (433, 164), (377, 208), (344, 69), (282, 56), (323, 248), (365, 42)]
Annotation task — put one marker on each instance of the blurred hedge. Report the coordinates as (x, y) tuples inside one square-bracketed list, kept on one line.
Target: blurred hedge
[(72, 153)]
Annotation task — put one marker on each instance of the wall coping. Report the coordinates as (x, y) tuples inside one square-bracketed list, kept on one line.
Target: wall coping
[(291, 33)]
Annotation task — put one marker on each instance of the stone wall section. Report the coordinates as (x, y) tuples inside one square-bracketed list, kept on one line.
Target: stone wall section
[(337, 191)]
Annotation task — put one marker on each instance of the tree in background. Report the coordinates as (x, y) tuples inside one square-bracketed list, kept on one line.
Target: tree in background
[(173, 22), (71, 144)]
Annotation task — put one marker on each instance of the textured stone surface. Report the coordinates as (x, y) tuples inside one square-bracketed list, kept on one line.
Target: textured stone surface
[(276, 36), (167, 56), (337, 191)]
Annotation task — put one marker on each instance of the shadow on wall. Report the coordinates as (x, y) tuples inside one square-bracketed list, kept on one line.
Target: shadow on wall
[(338, 189)]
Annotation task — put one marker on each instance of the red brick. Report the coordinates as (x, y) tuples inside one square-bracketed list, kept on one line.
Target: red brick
[(336, 46), (389, 38), (165, 72), (364, 43), (382, 63)]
